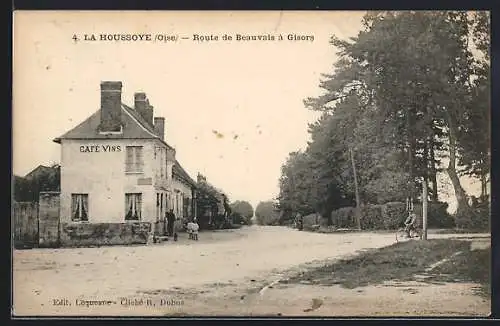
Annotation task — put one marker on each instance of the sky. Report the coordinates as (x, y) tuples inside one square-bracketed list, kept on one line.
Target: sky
[(250, 92), (233, 109)]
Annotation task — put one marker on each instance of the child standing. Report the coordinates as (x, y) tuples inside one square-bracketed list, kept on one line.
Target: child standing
[(194, 231)]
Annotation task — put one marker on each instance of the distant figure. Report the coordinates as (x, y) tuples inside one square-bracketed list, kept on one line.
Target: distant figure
[(170, 221), (189, 228), (300, 221), (177, 228), (410, 223), (193, 228)]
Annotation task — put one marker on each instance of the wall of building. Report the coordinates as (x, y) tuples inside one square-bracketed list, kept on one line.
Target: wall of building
[(162, 165), (101, 174), (180, 190)]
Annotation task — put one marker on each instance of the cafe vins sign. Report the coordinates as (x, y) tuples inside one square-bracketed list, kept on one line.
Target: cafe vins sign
[(100, 148)]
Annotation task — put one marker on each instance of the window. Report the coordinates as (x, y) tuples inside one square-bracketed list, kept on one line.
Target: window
[(161, 206), (157, 207), (185, 208), (79, 207), (133, 206), (134, 161), (179, 203), (162, 162)]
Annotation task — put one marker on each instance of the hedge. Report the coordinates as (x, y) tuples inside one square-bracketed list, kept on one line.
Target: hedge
[(392, 215), (311, 219), (344, 217), (477, 218), (371, 217), (437, 215)]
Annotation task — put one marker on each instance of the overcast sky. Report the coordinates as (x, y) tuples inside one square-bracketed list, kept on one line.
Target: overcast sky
[(250, 92)]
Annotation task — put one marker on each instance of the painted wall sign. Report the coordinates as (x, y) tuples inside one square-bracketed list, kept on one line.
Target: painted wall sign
[(100, 148), (145, 181)]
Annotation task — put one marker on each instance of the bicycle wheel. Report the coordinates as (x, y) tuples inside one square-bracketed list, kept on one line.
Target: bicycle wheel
[(418, 233), (400, 234)]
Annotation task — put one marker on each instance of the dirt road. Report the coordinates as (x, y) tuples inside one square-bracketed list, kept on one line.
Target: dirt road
[(225, 273)]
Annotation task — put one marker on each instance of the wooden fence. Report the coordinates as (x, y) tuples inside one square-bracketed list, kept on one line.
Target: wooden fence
[(25, 224)]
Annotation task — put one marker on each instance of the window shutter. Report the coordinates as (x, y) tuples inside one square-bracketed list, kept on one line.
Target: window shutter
[(130, 159), (139, 159)]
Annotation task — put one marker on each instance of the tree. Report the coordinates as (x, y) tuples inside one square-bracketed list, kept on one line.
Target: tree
[(266, 213), (244, 209), (404, 83), (213, 200), (28, 190), (474, 136)]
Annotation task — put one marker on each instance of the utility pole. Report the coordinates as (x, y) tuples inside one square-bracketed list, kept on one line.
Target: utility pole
[(424, 209), (358, 212)]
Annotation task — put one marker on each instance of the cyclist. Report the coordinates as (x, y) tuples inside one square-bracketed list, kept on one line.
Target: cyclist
[(410, 223)]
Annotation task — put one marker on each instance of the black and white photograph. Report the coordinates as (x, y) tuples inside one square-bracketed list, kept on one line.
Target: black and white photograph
[(251, 164)]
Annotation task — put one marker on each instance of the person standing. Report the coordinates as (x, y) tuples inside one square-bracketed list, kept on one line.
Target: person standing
[(170, 221), (300, 221), (195, 228)]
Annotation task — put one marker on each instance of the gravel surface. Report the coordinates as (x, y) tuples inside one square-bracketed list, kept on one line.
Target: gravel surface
[(226, 272)]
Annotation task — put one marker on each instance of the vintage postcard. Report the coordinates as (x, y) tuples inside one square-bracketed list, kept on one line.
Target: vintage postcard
[(271, 163)]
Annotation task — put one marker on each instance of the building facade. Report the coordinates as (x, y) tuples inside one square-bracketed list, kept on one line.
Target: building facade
[(117, 167)]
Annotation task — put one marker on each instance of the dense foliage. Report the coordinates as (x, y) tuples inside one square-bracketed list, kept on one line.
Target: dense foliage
[(266, 213), (242, 211), (409, 93), (28, 189)]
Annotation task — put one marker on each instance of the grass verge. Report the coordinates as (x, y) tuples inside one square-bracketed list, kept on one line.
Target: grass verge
[(469, 266), (402, 261), (461, 231)]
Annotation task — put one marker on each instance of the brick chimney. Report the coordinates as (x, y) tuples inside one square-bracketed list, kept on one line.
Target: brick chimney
[(111, 106), (159, 127), (201, 178), (141, 105)]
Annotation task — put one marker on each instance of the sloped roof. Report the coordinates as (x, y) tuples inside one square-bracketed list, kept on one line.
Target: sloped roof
[(179, 171), (134, 127), (39, 169)]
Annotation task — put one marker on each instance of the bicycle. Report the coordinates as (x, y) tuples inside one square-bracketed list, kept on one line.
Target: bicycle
[(415, 232)]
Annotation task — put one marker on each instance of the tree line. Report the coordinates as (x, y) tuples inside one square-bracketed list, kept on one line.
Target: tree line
[(28, 189), (408, 98)]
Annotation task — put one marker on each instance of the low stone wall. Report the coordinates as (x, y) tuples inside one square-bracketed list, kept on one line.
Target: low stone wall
[(104, 234), (159, 228), (48, 219)]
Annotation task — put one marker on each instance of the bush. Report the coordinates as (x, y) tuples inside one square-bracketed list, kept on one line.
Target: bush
[(371, 217), (311, 219), (344, 217), (323, 221), (477, 219), (237, 218), (437, 215), (481, 217), (394, 214)]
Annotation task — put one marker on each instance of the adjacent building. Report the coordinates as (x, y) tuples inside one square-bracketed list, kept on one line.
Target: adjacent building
[(117, 167), (43, 171)]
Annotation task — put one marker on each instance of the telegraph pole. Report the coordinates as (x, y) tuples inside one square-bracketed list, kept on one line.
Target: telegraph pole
[(358, 212), (424, 209)]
